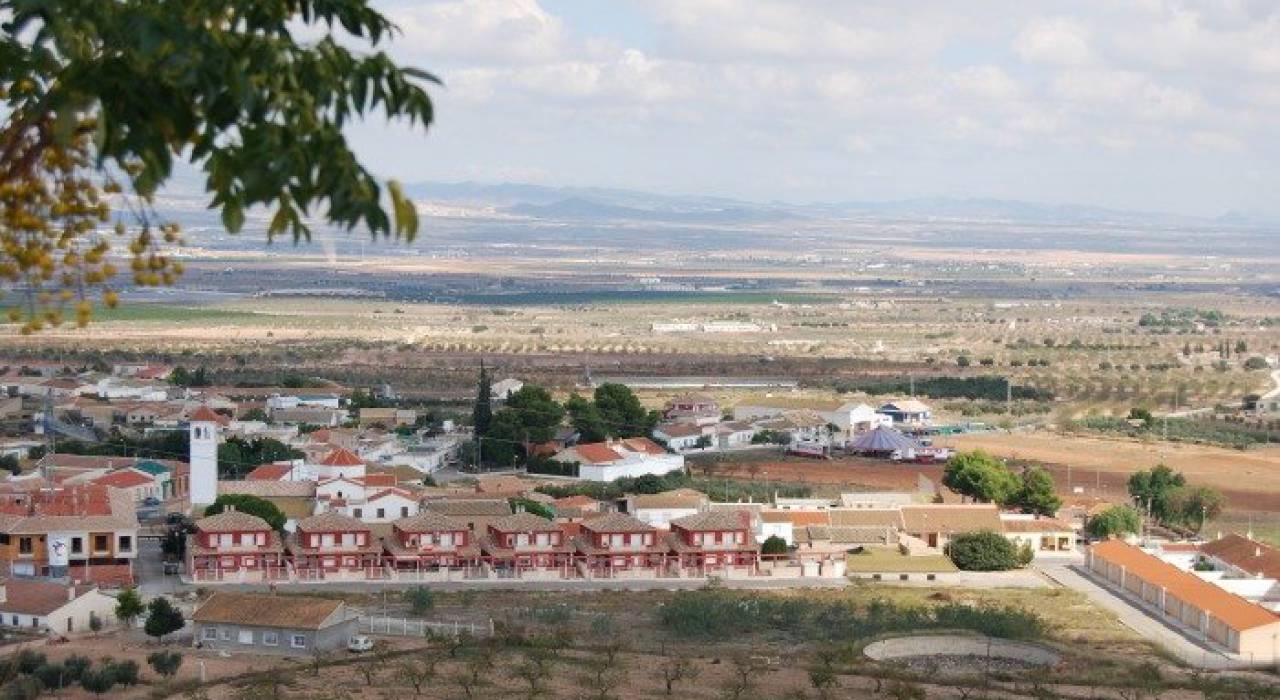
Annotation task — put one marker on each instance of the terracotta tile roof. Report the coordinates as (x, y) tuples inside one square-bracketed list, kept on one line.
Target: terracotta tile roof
[(469, 506), (341, 457), (264, 610), (596, 452), (950, 518), (1232, 610), (798, 518), (578, 501), (524, 522), (866, 517), (677, 498), (269, 472), (615, 522), (677, 430), (124, 478), (1037, 524), (643, 444), (232, 521), (1245, 554), (713, 520), (331, 521), (35, 597), (378, 479), (269, 489), (426, 521), (80, 507), (206, 415)]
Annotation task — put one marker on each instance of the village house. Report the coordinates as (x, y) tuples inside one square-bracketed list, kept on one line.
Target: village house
[(618, 544), (429, 541), (734, 434), (1244, 566), (659, 509), (334, 546), (338, 462), (907, 412), (683, 437), (1186, 601), (698, 409), (1045, 536), (87, 532), (933, 526), (387, 417), (235, 546), (53, 607), (518, 544), (255, 623), (713, 541), (501, 390), (139, 485), (606, 461)]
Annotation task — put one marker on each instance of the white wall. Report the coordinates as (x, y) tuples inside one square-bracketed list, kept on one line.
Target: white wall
[(655, 464)]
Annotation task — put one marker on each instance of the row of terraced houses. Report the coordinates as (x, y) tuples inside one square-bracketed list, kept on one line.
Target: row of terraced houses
[(237, 547)]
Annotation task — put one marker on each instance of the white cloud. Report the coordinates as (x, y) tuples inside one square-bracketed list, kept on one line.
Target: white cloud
[(709, 87), (1055, 41)]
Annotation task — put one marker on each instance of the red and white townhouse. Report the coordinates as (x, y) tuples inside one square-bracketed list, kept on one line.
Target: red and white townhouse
[(713, 540), (518, 543), (617, 542), (428, 542), (235, 546), (334, 546)]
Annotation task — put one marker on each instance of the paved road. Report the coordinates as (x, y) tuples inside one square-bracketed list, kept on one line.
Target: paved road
[(1176, 641)]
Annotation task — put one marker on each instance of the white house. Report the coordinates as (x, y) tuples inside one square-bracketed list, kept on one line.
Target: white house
[(53, 607), (681, 437), (499, 391), (659, 509), (907, 411), (856, 418), (606, 461)]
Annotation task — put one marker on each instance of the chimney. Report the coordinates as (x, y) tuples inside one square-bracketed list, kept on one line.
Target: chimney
[(230, 508), (1257, 552), (71, 592)]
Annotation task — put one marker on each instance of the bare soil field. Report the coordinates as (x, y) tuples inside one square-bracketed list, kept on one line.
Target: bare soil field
[(1249, 478)]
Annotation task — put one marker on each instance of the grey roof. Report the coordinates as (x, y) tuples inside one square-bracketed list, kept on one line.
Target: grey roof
[(883, 439)]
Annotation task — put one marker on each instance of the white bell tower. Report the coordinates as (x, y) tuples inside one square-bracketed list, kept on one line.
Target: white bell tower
[(204, 457)]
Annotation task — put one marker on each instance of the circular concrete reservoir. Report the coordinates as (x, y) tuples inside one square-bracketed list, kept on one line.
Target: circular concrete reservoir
[(960, 652)]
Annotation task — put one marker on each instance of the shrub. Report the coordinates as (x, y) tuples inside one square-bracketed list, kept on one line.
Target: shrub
[(774, 545), (983, 551), (165, 663), (420, 599)]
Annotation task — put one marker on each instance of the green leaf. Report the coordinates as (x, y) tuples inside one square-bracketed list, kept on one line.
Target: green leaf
[(232, 217)]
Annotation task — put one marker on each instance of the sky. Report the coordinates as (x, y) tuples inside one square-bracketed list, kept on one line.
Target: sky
[(1160, 105)]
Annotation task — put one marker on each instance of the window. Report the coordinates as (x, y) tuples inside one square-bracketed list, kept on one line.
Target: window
[(404, 511), (357, 513), (270, 639), (298, 641), (210, 633), (382, 513), (225, 634), (126, 543), (77, 545), (15, 620), (246, 637), (24, 545), (35, 622), (100, 543)]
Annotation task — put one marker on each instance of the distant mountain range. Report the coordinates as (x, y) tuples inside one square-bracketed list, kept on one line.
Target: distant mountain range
[(605, 204)]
